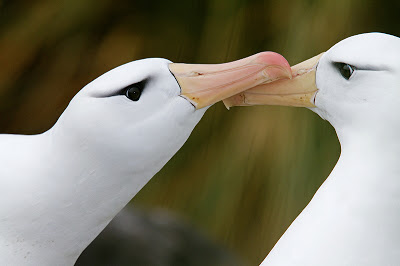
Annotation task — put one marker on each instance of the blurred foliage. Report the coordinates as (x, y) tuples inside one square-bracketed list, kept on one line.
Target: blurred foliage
[(244, 174), (131, 236)]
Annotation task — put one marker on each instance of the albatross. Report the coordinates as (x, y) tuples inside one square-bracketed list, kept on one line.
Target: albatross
[(59, 189), (354, 217)]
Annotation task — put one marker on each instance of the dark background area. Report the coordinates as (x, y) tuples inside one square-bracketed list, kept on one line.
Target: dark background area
[(244, 174)]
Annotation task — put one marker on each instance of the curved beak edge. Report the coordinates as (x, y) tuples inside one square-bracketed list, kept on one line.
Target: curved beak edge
[(206, 84)]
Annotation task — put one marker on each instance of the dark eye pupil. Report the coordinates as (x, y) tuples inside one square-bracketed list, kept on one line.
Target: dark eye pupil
[(346, 70), (133, 92)]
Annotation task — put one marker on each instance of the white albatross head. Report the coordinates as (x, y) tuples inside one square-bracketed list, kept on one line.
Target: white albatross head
[(358, 83), (131, 119)]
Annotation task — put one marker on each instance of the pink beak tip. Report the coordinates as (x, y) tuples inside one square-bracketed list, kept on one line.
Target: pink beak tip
[(272, 58)]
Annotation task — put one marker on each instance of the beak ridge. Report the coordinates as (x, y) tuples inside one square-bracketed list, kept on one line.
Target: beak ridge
[(204, 85)]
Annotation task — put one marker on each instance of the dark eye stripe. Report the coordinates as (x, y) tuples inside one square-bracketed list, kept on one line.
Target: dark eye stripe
[(134, 91)]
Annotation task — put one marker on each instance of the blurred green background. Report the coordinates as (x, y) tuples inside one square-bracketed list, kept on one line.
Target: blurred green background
[(244, 174)]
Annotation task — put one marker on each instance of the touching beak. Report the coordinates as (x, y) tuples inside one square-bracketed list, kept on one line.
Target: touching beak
[(204, 85), (298, 91)]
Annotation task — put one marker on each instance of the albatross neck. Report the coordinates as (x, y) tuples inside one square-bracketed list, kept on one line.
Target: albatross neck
[(65, 198), (353, 218)]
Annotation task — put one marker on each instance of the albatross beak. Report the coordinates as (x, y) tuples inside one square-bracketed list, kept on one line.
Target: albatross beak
[(204, 85), (298, 91)]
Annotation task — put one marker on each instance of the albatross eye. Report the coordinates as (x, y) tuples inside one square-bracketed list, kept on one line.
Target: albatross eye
[(133, 92), (346, 70)]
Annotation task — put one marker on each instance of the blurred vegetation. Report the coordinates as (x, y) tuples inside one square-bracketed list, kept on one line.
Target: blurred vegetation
[(244, 174)]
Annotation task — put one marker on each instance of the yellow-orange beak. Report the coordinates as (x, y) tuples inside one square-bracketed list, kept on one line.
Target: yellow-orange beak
[(204, 85), (298, 91)]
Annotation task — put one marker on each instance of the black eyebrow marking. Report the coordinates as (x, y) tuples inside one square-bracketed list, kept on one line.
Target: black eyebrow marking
[(120, 91), (140, 84), (365, 67)]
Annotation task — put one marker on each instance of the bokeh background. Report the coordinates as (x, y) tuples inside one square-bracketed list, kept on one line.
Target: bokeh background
[(244, 174)]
